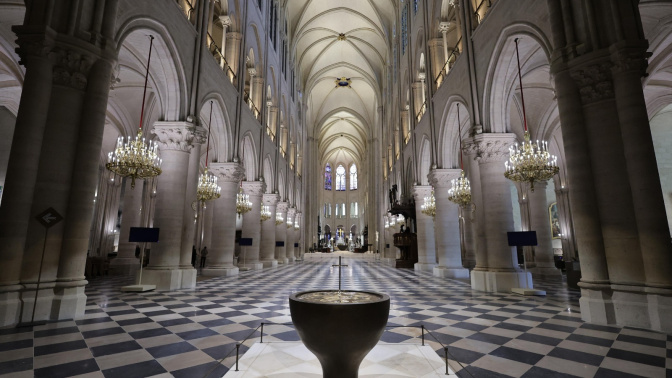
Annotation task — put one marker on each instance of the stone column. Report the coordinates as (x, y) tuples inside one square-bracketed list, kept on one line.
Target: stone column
[(126, 263), (258, 83), (566, 223), (226, 22), (66, 181), (543, 252), (630, 65), (219, 261), (207, 226), (443, 28), (289, 244), (281, 234), (249, 255), (297, 237), (232, 52), (417, 93), (447, 221), (468, 232), (425, 230), (15, 212), (272, 121), (164, 268), (267, 248), (190, 209), (502, 272)]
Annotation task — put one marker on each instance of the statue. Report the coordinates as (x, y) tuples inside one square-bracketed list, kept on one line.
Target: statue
[(393, 195)]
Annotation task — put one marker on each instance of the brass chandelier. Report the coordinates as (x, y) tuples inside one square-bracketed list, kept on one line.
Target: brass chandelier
[(243, 204), (531, 162), (460, 188), (207, 184), (134, 158), (265, 213), (278, 219), (429, 206)]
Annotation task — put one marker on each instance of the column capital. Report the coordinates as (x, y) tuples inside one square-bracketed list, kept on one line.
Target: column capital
[(594, 80), (229, 172), (225, 20), (444, 26), (270, 199), (282, 207), (420, 192), (630, 58), (254, 188), (442, 177), (178, 135), (489, 147), (291, 212)]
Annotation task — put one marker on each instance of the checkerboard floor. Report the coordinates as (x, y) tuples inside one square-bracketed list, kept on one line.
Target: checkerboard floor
[(193, 333)]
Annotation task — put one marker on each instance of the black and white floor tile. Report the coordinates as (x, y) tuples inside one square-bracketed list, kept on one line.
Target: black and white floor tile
[(193, 333)]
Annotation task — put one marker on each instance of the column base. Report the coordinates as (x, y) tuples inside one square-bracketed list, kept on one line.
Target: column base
[(283, 260), (45, 300), (444, 272), (500, 282), (124, 266), (10, 305), (270, 263), (625, 305), (189, 277), (291, 259), (251, 266), (220, 272), (164, 279), (424, 267), (546, 273), (69, 300)]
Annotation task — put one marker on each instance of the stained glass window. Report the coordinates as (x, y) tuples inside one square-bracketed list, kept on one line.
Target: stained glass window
[(327, 177), (340, 178), (415, 6), (353, 177)]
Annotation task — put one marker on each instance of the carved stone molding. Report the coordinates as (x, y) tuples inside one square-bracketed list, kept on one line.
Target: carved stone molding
[(282, 207), (444, 26), (420, 192), (270, 199), (626, 60), (71, 68), (440, 178), (228, 172), (33, 42), (489, 147), (179, 136), (291, 212), (594, 82), (254, 188)]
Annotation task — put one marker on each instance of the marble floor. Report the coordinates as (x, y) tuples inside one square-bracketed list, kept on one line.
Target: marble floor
[(291, 359), (193, 333)]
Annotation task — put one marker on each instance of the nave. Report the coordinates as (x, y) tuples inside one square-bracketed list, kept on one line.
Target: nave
[(186, 333)]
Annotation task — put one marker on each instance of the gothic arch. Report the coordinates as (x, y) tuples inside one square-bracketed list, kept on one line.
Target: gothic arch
[(221, 130), (249, 155), (448, 149)]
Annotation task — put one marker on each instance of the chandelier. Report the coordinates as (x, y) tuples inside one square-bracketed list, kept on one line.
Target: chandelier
[(207, 184), (296, 224), (278, 219), (134, 158), (529, 162), (429, 207), (290, 223), (460, 188), (265, 213), (243, 204)]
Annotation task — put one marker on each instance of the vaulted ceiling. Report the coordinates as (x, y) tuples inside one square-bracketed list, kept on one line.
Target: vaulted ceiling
[(341, 39)]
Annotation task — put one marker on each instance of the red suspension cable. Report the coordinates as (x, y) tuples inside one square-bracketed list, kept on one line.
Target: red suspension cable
[(520, 80), (207, 148), (144, 94)]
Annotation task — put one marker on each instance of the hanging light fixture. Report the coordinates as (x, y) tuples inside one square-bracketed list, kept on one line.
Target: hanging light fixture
[(296, 224), (134, 158), (290, 223), (278, 219), (243, 204), (530, 162), (460, 188), (207, 184), (265, 213), (429, 206)]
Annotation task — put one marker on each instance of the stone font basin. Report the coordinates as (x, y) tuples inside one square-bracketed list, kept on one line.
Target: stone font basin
[(340, 328)]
